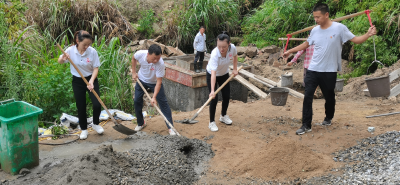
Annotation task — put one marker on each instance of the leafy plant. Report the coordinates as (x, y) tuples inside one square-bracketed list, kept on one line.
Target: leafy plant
[(58, 130), (183, 22), (14, 17), (146, 22)]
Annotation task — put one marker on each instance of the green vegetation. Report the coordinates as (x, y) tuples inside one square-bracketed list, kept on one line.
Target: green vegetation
[(146, 23), (30, 72), (276, 18), (29, 32), (215, 15)]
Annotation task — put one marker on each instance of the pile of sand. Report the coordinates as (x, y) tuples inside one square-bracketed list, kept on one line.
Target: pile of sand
[(284, 158), (355, 86)]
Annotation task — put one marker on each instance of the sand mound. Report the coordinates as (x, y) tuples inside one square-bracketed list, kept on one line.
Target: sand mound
[(284, 158), (355, 86)]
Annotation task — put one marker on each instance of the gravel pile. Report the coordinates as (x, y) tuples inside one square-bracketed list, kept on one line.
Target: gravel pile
[(375, 160), (174, 160)]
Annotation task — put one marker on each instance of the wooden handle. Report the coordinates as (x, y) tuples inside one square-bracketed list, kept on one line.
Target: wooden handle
[(335, 20), (158, 109), (87, 83), (219, 89)]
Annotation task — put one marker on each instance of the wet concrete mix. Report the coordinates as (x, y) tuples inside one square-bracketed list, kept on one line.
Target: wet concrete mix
[(172, 160)]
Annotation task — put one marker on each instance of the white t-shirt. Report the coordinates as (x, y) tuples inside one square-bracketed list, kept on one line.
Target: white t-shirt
[(85, 62), (199, 42), (328, 43), (149, 72), (221, 64)]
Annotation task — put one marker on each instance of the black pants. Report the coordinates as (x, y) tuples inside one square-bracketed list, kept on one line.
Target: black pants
[(326, 81), (199, 55), (80, 88), (226, 93)]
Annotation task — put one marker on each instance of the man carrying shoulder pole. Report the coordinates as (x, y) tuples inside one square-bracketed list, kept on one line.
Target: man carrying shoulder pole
[(328, 38)]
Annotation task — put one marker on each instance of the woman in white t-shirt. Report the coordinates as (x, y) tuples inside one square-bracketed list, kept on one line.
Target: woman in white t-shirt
[(221, 58), (87, 61)]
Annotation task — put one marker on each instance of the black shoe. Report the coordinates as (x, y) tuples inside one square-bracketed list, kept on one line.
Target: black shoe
[(196, 69), (326, 123), (199, 67), (303, 130)]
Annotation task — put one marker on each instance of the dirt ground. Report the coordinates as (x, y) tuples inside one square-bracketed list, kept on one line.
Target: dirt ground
[(261, 143)]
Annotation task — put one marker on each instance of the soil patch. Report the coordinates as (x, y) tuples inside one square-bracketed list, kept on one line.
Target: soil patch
[(284, 158)]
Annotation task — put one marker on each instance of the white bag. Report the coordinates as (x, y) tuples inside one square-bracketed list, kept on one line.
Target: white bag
[(104, 116), (124, 116)]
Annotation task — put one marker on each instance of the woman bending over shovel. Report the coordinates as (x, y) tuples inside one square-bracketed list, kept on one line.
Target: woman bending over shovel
[(87, 61), (218, 72)]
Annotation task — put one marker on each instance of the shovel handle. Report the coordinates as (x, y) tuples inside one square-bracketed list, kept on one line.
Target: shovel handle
[(219, 89), (158, 109), (87, 83)]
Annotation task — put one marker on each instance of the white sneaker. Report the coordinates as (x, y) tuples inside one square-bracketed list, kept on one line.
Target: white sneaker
[(84, 134), (213, 127), (172, 132), (225, 119), (98, 129), (139, 128)]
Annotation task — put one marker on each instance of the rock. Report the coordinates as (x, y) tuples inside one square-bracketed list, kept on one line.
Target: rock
[(271, 49), (241, 50), (371, 129), (251, 52), (236, 40), (393, 99), (134, 43), (171, 51), (133, 49), (141, 42), (24, 171), (3, 181), (251, 45), (276, 64)]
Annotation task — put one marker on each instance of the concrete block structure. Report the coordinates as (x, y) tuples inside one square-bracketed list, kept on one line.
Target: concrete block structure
[(187, 90)]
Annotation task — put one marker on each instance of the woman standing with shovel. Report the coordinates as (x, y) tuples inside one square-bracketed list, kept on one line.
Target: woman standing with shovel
[(218, 72), (87, 61)]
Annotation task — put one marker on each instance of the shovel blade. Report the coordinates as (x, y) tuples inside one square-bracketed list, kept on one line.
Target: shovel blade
[(123, 129), (186, 121)]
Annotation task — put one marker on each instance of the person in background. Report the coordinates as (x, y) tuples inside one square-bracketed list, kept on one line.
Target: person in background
[(221, 58), (200, 49), (328, 38), (151, 72), (87, 60)]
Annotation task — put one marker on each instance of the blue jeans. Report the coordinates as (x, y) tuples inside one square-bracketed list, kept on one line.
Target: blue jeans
[(161, 101)]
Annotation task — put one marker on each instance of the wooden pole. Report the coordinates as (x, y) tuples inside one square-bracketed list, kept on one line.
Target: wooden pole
[(335, 20)]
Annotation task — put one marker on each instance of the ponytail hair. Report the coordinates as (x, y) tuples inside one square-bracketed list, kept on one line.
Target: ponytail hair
[(81, 35), (224, 36)]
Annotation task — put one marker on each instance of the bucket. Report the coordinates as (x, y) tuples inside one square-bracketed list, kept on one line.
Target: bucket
[(339, 85), (279, 96), (18, 136), (287, 80), (378, 87)]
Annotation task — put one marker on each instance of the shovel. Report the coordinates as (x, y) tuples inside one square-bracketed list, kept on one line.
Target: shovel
[(192, 121), (118, 127), (158, 109)]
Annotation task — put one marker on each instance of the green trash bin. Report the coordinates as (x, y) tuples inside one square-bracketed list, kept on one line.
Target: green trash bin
[(19, 147)]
